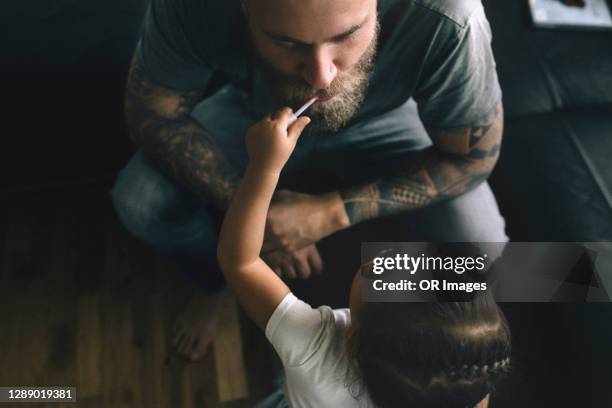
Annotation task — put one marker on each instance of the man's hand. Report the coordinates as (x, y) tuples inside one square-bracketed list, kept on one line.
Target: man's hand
[(295, 264), (296, 220)]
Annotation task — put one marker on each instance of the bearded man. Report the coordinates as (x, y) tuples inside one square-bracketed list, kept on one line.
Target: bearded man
[(409, 121)]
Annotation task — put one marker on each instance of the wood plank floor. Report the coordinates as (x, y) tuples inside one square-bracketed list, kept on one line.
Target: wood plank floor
[(82, 303)]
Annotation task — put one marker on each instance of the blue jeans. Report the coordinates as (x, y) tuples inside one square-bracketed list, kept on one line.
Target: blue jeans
[(277, 398), (178, 224)]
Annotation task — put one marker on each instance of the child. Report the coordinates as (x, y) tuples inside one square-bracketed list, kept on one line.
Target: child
[(377, 354)]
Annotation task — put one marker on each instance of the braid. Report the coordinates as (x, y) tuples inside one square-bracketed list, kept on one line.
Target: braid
[(474, 372), (467, 383)]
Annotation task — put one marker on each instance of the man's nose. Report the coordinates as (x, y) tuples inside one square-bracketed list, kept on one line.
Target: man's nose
[(320, 69)]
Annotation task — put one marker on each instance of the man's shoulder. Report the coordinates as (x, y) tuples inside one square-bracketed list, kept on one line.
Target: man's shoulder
[(458, 11)]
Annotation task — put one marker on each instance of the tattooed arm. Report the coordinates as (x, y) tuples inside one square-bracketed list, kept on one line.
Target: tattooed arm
[(160, 124), (458, 161)]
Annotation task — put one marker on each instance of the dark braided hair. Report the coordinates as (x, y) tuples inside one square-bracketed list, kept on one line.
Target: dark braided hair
[(447, 354)]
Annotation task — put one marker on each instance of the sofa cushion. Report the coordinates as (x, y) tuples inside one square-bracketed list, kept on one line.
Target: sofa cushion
[(543, 70), (554, 173)]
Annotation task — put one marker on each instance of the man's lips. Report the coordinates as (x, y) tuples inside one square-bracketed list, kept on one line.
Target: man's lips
[(324, 97)]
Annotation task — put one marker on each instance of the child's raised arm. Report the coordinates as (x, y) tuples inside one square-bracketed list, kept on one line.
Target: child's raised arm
[(259, 290)]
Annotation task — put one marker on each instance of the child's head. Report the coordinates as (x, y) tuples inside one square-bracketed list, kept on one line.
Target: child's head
[(431, 354)]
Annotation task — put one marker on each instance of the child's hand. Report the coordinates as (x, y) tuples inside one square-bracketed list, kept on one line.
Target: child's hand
[(271, 141)]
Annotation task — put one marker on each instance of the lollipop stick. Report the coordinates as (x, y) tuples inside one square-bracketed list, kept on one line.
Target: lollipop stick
[(297, 113)]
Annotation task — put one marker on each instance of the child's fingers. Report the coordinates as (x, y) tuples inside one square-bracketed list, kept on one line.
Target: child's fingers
[(296, 129), (282, 115)]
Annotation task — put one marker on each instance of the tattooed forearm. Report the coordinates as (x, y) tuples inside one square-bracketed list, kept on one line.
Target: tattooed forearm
[(160, 124), (459, 161)]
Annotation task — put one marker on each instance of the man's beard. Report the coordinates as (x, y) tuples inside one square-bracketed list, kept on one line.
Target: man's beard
[(347, 88)]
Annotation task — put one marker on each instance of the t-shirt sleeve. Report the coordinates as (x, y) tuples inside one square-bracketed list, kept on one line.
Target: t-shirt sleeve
[(459, 86), (297, 331), (167, 50)]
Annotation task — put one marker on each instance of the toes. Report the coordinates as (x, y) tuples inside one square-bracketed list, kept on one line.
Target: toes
[(180, 333), (199, 350), (197, 356), (183, 346), (194, 353)]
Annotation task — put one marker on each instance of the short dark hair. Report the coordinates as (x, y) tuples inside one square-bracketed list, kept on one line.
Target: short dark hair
[(446, 354)]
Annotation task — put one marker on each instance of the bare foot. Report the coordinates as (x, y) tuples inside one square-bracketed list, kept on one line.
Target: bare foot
[(197, 325)]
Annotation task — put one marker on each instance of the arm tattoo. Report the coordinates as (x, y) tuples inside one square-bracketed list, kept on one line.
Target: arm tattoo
[(160, 124), (458, 162)]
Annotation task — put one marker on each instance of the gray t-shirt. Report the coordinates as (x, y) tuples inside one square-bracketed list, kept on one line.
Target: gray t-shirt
[(435, 51)]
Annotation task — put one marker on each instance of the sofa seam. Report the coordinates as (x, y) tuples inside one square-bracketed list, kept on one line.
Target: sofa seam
[(601, 185)]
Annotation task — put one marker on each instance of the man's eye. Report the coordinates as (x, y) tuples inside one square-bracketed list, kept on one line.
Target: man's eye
[(345, 38), (286, 44)]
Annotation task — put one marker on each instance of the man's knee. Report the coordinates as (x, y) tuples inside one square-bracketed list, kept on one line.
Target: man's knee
[(471, 217), (134, 210), (142, 198)]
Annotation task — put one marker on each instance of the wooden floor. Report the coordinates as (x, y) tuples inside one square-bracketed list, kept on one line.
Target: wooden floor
[(84, 304)]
